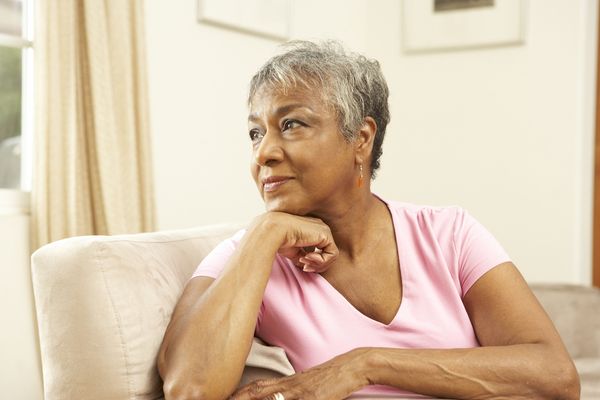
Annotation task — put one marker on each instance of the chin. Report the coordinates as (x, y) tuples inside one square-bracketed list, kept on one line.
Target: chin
[(289, 207)]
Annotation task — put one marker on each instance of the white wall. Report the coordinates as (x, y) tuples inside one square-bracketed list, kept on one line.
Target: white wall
[(198, 80), (20, 370), (504, 132)]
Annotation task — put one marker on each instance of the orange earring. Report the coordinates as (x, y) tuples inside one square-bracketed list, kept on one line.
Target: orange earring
[(360, 177)]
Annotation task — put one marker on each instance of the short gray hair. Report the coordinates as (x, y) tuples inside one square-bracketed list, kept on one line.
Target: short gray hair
[(352, 85)]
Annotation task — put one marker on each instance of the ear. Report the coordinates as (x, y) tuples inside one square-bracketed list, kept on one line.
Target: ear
[(363, 144)]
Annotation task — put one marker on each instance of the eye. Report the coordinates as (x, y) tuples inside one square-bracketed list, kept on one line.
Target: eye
[(255, 135), (291, 124)]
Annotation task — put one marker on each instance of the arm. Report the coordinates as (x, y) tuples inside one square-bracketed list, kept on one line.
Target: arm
[(208, 339), (522, 356), (214, 316)]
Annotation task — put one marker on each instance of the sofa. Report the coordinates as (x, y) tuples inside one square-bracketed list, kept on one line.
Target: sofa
[(104, 302)]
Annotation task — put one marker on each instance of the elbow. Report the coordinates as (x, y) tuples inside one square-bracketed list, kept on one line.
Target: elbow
[(182, 392), (564, 383), (571, 384), (174, 390)]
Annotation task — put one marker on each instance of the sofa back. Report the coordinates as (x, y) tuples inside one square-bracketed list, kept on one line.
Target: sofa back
[(103, 304), (575, 311)]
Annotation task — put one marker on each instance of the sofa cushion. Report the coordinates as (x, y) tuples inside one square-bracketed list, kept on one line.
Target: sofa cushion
[(103, 304)]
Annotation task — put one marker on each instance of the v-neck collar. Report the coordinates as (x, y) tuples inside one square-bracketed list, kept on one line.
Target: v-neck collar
[(403, 277)]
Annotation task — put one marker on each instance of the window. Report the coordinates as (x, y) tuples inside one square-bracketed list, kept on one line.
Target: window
[(16, 94)]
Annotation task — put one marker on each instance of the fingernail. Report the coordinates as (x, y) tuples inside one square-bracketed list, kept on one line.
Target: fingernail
[(308, 269)]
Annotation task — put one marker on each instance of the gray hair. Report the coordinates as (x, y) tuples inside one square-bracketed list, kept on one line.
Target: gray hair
[(352, 85)]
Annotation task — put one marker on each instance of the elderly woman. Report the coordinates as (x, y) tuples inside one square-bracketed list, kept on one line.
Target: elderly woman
[(364, 294)]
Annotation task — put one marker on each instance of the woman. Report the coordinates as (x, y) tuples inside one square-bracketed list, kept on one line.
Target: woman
[(364, 294)]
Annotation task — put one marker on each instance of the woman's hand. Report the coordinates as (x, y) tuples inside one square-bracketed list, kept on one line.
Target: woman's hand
[(306, 241), (337, 378)]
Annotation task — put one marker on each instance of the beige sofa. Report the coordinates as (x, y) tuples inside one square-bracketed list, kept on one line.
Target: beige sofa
[(103, 304)]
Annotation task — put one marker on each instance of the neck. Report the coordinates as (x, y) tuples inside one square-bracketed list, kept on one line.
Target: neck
[(356, 221)]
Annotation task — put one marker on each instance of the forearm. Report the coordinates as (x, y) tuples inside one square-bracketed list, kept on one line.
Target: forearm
[(206, 347), (516, 371)]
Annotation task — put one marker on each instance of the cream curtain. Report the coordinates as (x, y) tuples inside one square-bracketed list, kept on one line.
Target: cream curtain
[(92, 171)]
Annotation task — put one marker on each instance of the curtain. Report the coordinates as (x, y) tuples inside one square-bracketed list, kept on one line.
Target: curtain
[(92, 172)]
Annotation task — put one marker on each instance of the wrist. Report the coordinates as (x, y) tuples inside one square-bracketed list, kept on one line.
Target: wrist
[(266, 231), (363, 365), (267, 227)]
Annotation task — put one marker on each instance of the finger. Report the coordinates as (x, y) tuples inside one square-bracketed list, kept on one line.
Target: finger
[(257, 390), (328, 250), (309, 262), (319, 259), (291, 253), (323, 245), (253, 390), (314, 258), (298, 256), (309, 268), (301, 263), (277, 396)]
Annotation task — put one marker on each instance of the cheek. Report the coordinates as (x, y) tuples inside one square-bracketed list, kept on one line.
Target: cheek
[(254, 170)]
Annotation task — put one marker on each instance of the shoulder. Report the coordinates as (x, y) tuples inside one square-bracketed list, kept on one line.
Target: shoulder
[(218, 253), (422, 209), (229, 244), (441, 224), (237, 237), (428, 215)]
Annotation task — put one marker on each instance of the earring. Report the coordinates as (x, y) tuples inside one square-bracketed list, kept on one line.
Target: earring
[(360, 177)]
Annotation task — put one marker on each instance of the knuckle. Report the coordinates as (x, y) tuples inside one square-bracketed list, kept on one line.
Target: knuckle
[(256, 388)]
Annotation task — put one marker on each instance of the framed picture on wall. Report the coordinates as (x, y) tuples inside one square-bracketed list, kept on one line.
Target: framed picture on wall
[(266, 18), (438, 25)]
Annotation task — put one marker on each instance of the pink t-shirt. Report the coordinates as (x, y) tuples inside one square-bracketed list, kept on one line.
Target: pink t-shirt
[(442, 252)]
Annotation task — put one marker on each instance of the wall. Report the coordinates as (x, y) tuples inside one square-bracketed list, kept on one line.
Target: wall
[(504, 132), (20, 371), (198, 80)]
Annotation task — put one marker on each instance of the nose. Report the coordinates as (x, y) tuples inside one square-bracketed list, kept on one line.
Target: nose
[(269, 151)]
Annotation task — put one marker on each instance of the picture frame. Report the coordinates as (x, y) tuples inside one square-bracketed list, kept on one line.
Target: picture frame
[(497, 23), (265, 18)]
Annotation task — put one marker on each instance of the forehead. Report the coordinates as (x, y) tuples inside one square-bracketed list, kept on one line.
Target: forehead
[(273, 99)]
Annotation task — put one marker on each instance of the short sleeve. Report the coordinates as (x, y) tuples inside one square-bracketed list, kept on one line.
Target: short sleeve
[(213, 264), (477, 249)]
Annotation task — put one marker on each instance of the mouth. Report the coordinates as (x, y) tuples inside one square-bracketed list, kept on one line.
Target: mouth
[(272, 183)]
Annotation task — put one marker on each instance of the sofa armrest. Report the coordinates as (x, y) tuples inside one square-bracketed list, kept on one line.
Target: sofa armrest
[(103, 304)]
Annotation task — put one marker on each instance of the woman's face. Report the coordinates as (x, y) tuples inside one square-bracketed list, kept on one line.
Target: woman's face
[(301, 162)]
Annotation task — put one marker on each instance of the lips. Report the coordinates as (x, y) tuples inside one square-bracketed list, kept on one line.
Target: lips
[(272, 183)]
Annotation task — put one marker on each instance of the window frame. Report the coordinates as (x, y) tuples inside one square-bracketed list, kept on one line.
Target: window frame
[(16, 201)]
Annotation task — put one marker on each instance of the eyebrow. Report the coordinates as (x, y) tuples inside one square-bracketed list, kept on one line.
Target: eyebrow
[(283, 110)]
